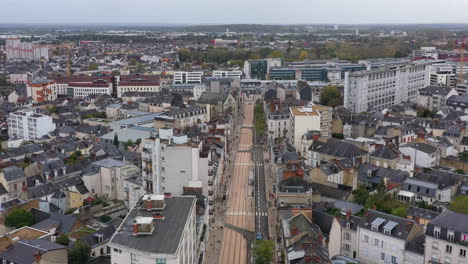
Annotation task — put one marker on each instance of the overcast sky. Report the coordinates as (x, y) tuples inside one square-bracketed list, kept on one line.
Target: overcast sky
[(234, 11)]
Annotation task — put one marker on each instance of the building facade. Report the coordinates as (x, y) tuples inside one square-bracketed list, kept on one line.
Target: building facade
[(387, 86), (29, 125), (181, 77)]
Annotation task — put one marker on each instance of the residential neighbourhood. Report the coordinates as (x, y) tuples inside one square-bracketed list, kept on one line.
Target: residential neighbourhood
[(233, 143)]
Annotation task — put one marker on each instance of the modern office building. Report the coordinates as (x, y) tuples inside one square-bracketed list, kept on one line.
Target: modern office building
[(387, 86), (80, 90), (182, 77), (228, 74), (160, 229), (29, 125), (259, 69)]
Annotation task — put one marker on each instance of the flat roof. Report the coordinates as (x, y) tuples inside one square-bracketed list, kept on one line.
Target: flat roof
[(167, 233)]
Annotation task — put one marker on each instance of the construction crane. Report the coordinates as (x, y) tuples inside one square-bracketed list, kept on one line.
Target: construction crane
[(462, 44), (67, 45)]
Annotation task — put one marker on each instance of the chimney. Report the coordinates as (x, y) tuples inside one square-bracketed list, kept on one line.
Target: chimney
[(37, 256), (135, 229), (348, 215), (167, 195), (149, 204)]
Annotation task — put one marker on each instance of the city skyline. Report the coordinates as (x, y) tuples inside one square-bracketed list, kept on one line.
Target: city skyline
[(239, 12)]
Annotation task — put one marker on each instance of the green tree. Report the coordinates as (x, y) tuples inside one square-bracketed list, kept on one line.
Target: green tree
[(276, 54), (79, 253), (239, 63), (399, 211), (116, 140), (381, 188), (115, 73), (63, 240), (303, 55), (93, 67), (19, 218), (459, 171), (463, 155), (330, 96), (128, 143), (263, 251), (361, 194), (140, 68), (254, 56), (459, 204)]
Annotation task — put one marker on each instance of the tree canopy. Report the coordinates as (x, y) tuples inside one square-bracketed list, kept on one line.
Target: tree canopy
[(63, 240), (79, 253), (263, 251), (19, 218), (330, 96)]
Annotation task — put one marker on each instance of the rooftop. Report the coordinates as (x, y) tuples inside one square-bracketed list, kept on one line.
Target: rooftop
[(167, 232)]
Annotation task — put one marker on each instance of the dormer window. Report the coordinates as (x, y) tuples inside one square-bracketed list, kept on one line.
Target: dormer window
[(348, 225), (375, 228), (450, 235), (436, 231), (387, 232)]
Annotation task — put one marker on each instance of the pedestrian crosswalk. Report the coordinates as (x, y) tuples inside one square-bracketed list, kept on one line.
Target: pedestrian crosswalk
[(239, 213)]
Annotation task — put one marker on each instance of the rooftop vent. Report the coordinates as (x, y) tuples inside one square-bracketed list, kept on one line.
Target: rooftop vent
[(143, 226), (153, 202)]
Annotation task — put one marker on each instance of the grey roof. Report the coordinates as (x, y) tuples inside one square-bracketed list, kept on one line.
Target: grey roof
[(109, 163), (385, 152), (338, 148), (13, 173), (66, 222), (106, 233), (421, 147), (449, 220), (435, 89), (401, 230), (167, 232), (348, 206), (420, 212), (353, 222), (22, 252), (47, 224), (42, 190), (212, 98), (323, 220), (396, 176), (417, 244)]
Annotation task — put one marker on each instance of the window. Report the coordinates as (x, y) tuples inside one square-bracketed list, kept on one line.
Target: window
[(382, 256), (448, 249), (15, 187), (160, 261), (347, 236), (462, 252), (376, 242), (346, 246), (382, 244), (435, 245), (117, 250), (366, 239), (387, 232), (450, 235), (436, 231), (394, 259)]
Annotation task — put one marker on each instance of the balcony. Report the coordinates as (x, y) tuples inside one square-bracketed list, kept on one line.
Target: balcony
[(210, 183), (210, 192)]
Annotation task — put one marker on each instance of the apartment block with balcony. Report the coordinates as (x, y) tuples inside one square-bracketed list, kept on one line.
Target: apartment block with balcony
[(29, 125)]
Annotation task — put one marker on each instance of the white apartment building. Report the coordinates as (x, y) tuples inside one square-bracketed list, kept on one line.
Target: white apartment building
[(182, 77), (163, 170), (29, 125), (278, 122), (15, 49), (235, 74), (80, 90), (159, 230), (309, 118), (382, 238), (390, 85), (106, 178), (447, 239)]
